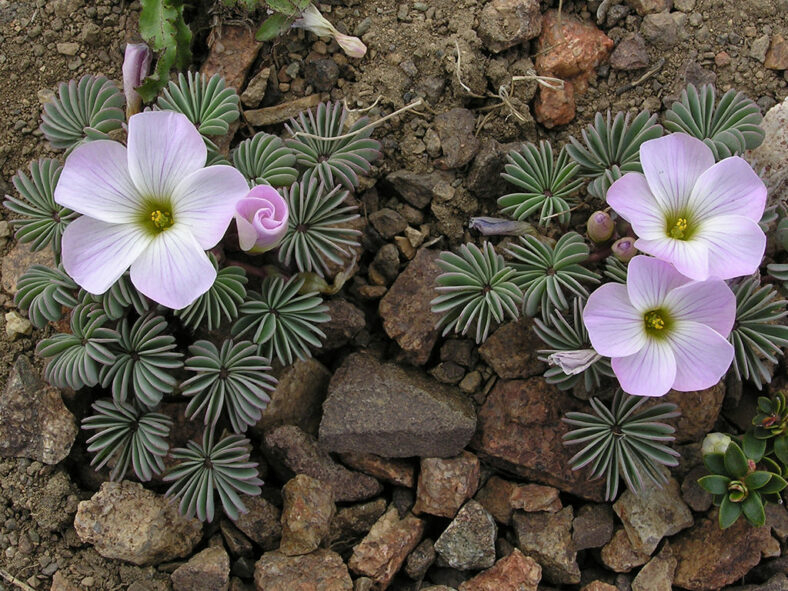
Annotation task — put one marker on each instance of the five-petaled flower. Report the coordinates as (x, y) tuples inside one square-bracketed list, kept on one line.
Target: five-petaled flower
[(701, 216), (153, 206), (662, 330)]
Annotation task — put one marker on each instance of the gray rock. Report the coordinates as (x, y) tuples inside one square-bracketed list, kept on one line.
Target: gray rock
[(777, 519), (593, 526), (322, 570), (416, 188), (657, 575), (696, 498), (420, 560), (468, 543), (346, 322), (512, 350), (456, 129), (388, 222), (653, 514), (261, 522), (772, 154), (322, 74), (384, 409), (34, 422), (630, 54), (484, 176), (547, 538), (255, 89), (127, 522), (351, 524), (505, 23), (618, 554), (661, 30), (644, 7), (306, 514), (207, 571), (759, 47), (292, 451), (386, 263), (778, 582)]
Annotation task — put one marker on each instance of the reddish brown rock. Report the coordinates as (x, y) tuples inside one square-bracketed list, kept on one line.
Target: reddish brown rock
[(516, 572), (699, 411), (658, 573), (535, 497), (18, 260), (420, 560), (593, 526), (599, 586), (501, 497), (395, 471), (710, 558), (232, 51), (511, 350), (446, 483), (777, 56), (322, 570), (630, 54), (346, 322), (262, 522), (555, 106), (520, 431), (547, 538), (505, 23), (383, 551), (618, 554), (352, 523), (308, 507), (208, 570), (405, 309)]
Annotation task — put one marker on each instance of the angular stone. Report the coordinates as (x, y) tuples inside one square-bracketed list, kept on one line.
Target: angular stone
[(520, 431), (383, 551), (255, 90), (127, 522), (306, 514), (231, 54), (262, 522), (644, 7), (535, 497), (599, 586), (456, 129), (555, 106), (298, 397), (388, 222), (652, 515), (547, 538), (592, 527), (484, 175), (18, 260), (392, 411), (657, 575), (416, 188), (630, 54), (661, 30), (501, 497), (468, 543), (505, 23), (346, 322), (618, 554), (710, 557), (696, 498), (445, 484), (511, 350), (405, 309), (777, 519), (772, 154), (34, 422), (420, 560), (236, 541), (281, 113), (351, 524), (515, 572), (394, 471), (208, 570), (294, 452), (322, 570), (777, 56), (699, 411)]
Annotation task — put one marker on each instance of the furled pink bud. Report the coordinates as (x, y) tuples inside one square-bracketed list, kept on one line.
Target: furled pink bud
[(261, 218), (624, 249), (136, 62), (313, 21), (600, 226)]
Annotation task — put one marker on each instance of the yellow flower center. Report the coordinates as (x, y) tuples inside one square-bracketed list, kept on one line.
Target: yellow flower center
[(679, 229), (161, 219), (654, 320)]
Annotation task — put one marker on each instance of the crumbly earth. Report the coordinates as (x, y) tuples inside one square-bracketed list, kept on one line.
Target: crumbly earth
[(411, 48)]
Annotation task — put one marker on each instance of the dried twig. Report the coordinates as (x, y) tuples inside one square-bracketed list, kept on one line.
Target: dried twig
[(642, 79), (14, 581)]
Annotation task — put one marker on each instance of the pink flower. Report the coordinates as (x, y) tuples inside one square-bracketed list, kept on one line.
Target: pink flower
[(701, 216), (153, 206), (312, 20), (136, 63), (261, 218), (662, 330)]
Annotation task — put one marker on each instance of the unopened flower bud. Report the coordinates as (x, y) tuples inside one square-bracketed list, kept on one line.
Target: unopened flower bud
[(624, 249), (715, 443), (600, 226), (312, 20), (261, 218), (136, 62)]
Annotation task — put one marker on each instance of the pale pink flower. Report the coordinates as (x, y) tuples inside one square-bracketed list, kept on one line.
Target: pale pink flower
[(701, 216), (313, 21), (261, 218), (136, 63), (662, 330)]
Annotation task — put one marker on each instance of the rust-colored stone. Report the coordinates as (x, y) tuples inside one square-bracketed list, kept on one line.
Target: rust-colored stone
[(395, 471), (516, 572), (232, 51), (281, 113), (322, 570), (511, 350), (306, 515), (555, 106), (777, 56), (446, 483), (618, 554)]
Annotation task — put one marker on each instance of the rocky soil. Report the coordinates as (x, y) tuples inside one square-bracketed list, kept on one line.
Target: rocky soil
[(396, 459)]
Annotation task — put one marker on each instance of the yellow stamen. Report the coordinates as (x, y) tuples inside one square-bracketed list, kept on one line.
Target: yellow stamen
[(654, 320), (679, 228), (161, 219)]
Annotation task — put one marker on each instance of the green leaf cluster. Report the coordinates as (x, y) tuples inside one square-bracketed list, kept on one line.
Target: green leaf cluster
[(220, 302), (207, 103), (164, 30), (284, 11), (43, 292)]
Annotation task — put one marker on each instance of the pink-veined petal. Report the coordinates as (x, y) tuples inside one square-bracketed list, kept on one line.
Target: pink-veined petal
[(614, 326), (164, 149), (96, 253), (735, 244), (690, 257), (702, 356), (708, 302), (649, 372), (95, 182), (205, 202), (174, 270), (730, 187), (649, 280), (631, 198), (672, 165)]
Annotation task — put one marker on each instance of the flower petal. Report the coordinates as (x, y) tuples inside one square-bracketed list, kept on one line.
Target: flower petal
[(672, 165), (95, 182), (649, 372), (702, 356), (649, 281), (614, 326), (708, 302), (96, 253), (735, 244), (164, 148), (690, 257), (205, 202), (174, 270), (631, 198), (730, 187)]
